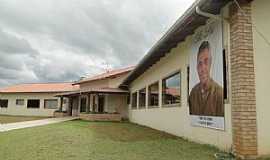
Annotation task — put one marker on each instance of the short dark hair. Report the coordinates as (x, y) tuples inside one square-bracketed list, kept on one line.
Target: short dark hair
[(204, 45)]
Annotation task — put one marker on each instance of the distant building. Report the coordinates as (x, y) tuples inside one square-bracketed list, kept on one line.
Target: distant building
[(36, 99), (100, 94)]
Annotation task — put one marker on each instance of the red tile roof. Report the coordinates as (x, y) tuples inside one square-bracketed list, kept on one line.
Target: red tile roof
[(108, 74), (40, 88)]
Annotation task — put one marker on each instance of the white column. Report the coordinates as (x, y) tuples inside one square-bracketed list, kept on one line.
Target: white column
[(91, 102)]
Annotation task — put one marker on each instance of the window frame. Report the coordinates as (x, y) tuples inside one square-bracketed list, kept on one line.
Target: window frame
[(149, 96), (17, 104), (139, 96), (6, 103), (162, 93), (226, 76), (132, 100), (44, 102), (33, 107)]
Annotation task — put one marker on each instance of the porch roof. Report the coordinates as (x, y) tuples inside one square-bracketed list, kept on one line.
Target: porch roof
[(94, 90)]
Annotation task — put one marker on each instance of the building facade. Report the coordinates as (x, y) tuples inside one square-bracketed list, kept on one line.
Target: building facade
[(205, 80), (242, 42), (33, 99), (100, 96)]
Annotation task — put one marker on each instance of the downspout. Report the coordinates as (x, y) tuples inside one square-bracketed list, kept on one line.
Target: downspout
[(208, 15)]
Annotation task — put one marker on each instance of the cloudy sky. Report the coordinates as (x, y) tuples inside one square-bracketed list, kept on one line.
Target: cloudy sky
[(63, 40)]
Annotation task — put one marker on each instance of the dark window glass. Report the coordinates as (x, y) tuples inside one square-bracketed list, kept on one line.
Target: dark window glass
[(33, 103), (83, 104), (128, 99), (153, 91), (3, 103), (50, 103), (19, 102), (134, 100), (225, 75), (188, 75), (171, 89), (142, 98), (94, 106)]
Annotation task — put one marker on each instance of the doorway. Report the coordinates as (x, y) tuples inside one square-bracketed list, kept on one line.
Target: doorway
[(101, 100), (83, 105), (71, 106)]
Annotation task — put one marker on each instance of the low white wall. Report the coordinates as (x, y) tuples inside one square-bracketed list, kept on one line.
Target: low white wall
[(14, 109), (176, 121)]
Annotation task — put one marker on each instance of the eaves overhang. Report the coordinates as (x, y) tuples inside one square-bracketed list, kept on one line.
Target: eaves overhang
[(183, 27)]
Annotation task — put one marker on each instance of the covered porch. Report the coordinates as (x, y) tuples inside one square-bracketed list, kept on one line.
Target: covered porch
[(102, 104)]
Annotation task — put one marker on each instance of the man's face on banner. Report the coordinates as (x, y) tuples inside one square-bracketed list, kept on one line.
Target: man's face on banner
[(203, 66)]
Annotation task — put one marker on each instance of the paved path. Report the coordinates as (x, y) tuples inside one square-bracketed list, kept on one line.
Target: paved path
[(27, 124)]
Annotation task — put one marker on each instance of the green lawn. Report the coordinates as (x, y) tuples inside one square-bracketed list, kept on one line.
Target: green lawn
[(13, 119), (80, 140)]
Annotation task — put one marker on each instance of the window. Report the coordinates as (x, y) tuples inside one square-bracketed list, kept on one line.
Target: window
[(33, 103), (225, 78), (94, 103), (153, 93), (3, 103), (83, 104), (64, 101), (188, 75), (134, 100), (128, 99), (19, 102), (171, 89), (50, 103), (142, 98)]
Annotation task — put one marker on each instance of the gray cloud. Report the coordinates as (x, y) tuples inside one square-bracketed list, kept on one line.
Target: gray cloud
[(13, 45), (14, 52), (63, 40)]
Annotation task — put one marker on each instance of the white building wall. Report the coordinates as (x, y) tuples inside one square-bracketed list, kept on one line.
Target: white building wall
[(115, 82), (13, 109), (94, 84), (117, 103), (260, 15)]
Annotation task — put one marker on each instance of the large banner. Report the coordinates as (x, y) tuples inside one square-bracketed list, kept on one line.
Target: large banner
[(206, 77)]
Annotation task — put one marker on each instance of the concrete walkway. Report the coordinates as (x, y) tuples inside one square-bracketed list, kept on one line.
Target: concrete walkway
[(27, 124)]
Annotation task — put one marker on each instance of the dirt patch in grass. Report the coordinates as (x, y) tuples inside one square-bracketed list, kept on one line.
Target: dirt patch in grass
[(126, 132)]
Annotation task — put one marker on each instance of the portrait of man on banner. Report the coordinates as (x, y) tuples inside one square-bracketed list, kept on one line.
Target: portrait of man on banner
[(206, 100)]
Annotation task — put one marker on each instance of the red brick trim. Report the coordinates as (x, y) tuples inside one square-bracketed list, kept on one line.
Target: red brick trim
[(244, 119)]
